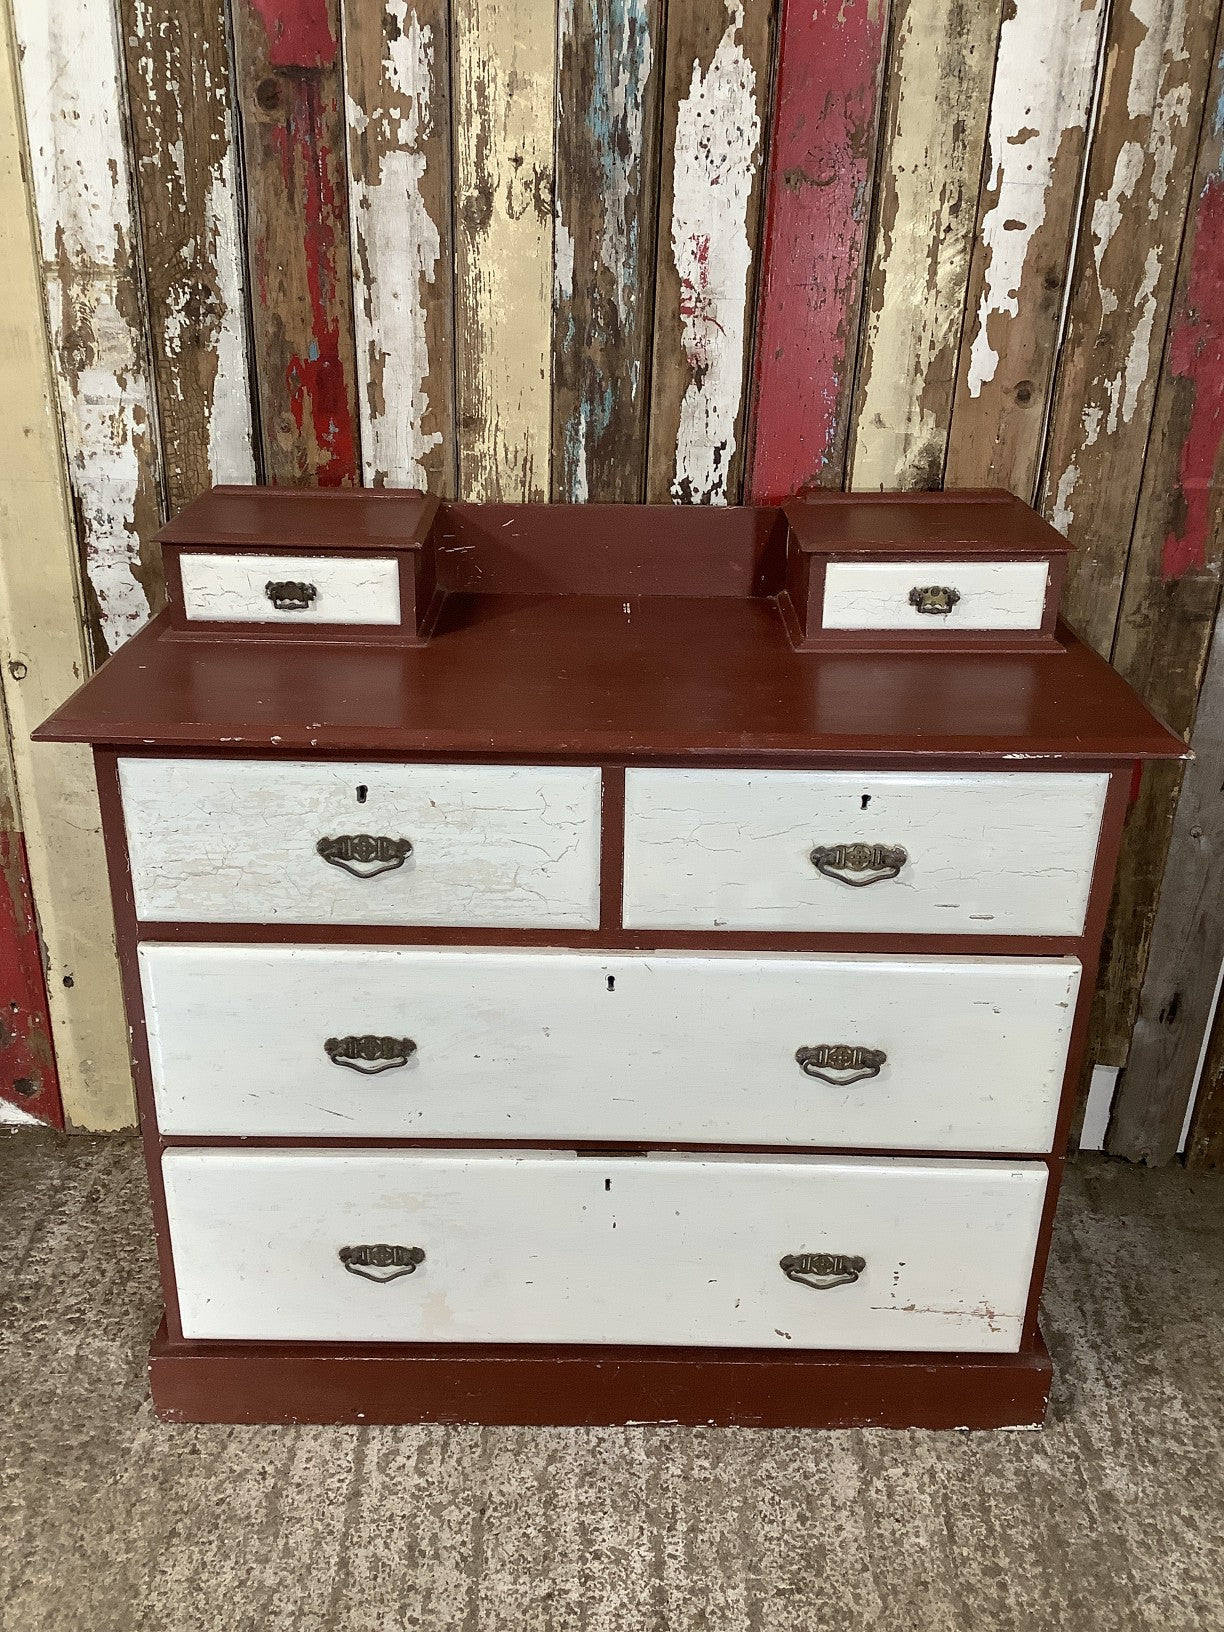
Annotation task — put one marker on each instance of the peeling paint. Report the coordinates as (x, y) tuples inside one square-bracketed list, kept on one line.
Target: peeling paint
[(717, 148)]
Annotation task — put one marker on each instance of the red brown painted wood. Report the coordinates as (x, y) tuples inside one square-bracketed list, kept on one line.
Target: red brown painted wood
[(588, 1387), (27, 1058)]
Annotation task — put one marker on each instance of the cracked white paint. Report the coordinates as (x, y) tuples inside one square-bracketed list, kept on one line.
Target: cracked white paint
[(232, 587), (1042, 90), (397, 250), (993, 594), (717, 152), (234, 841), (72, 86)]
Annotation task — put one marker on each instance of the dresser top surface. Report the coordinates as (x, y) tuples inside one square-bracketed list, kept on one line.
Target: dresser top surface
[(570, 676)]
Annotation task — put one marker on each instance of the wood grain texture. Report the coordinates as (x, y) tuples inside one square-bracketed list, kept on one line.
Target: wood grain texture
[(503, 77), (45, 658), (291, 96), (1187, 937), (1205, 1142), (716, 97), (73, 91), (397, 72), (185, 173), (1172, 586), (821, 171), (938, 97), (1140, 174), (609, 68), (1044, 76)]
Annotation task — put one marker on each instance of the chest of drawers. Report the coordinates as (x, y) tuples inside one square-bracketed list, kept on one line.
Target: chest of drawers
[(559, 995)]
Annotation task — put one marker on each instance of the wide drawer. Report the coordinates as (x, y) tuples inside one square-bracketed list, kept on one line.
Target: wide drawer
[(1008, 853), (318, 842), (776, 1252), (233, 587), (886, 1053), (929, 596)]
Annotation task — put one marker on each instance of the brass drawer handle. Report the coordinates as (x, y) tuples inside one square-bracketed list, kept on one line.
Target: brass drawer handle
[(849, 1064), (822, 1270), (370, 1054), (935, 599), (365, 849), (393, 1262), (288, 596), (880, 860)]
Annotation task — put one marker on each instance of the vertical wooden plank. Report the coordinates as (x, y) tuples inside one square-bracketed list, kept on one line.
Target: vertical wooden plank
[(937, 99), (73, 94), (186, 184), (1173, 575), (608, 104), (45, 659), (821, 169), (288, 70), (1205, 1144), (504, 86), (716, 99), (1158, 57), (397, 73), (1187, 938), (1039, 107)]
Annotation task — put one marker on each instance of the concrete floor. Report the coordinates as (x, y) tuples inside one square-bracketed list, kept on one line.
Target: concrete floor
[(1110, 1518)]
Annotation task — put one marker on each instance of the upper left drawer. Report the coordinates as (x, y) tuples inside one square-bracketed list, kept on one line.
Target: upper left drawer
[(257, 841), (232, 587)]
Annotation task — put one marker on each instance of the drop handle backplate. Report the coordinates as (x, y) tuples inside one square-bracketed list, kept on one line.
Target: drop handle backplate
[(934, 600), (380, 1261), (840, 1063), (370, 1054), (365, 855), (876, 861), (822, 1271), (290, 596)]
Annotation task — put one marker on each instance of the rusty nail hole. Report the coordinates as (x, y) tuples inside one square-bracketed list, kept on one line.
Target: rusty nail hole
[(1024, 393), (25, 1087), (69, 982), (268, 93), (18, 669)]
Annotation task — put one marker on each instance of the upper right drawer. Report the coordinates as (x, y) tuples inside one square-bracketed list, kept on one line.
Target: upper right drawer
[(1008, 853)]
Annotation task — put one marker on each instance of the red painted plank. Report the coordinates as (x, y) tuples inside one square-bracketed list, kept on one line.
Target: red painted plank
[(822, 161), (27, 1063)]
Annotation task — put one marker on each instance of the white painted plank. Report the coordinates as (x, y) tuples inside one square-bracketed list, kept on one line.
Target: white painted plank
[(555, 1248), (563, 1045), (987, 854), (993, 594), (234, 841), (232, 587)]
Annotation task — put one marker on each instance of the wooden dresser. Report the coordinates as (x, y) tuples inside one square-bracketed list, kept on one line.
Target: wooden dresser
[(598, 965)]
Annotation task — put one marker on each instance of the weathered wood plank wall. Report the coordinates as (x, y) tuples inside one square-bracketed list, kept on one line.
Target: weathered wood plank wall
[(687, 250)]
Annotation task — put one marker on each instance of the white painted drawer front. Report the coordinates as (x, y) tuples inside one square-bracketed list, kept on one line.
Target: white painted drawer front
[(557, 1248), (554, 1045), (235, 840), (987, 854), (233, 588), (993, 594)]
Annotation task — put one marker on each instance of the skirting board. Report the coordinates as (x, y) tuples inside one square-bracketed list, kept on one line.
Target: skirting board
[(581, 1387)]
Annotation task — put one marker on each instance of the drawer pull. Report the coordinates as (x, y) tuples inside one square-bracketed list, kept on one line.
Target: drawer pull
[(839, 1063), (822, 1270), (879, 860), (937, 600), (370, 1054), (374, 854), (381, 1262), (289, 596)]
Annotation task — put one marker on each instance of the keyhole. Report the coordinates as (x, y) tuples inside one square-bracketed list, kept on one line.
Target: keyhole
[(866, 801), (607, 1184), (611, 983), (362, 790)]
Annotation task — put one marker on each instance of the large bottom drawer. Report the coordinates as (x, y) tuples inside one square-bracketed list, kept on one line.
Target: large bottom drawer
[(777, 1252)]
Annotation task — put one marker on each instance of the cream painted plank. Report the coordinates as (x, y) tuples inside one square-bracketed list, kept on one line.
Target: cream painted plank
[(73, 94), (550, 1247), (44, 659), (397, 73), (937, 100), (1043, 85), (504, 68)]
